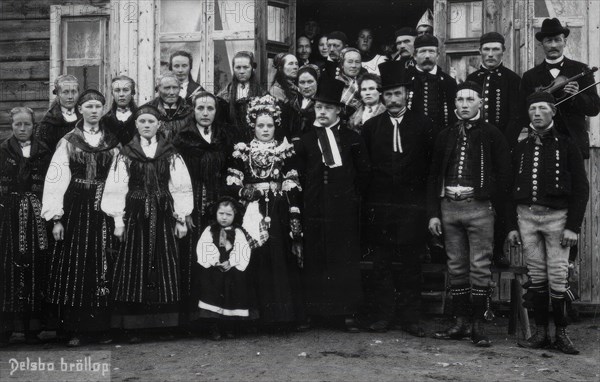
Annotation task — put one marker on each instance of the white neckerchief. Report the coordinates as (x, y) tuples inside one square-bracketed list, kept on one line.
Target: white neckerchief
[(68, 115), (369, 112), (123, 115), (397, 139), (207, 137), (305, 102), (555, 72), (25, 148), (183, 89), (335, 151), (170, 107), (242, 92), (432, 71), (149, 148), (92, 138)]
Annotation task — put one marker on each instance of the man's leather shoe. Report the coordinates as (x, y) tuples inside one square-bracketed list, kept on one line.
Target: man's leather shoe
[(459, 330), (563, 342), (539, 340), (380, 326)]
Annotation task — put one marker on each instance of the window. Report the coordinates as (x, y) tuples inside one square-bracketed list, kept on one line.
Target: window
[(84, 43), (465, 19), (83, 50)]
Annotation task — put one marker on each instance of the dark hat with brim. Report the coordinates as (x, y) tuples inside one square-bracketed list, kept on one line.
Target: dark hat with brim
[(540, 97), (551, 27), (330, 91), (393, 75)]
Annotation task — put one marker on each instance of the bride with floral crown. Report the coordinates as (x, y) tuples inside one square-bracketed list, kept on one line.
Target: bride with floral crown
[(263, 176)]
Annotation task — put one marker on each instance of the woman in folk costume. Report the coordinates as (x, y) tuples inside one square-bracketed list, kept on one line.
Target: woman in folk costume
[(262, 175), (349, 70), (235, 96), (301, 112), (284, 87), (223, 252), (148, 193), (204, 145), (23, 241), (371, 105), (181, 63), (79, 270), (120, 119), (63, 114)]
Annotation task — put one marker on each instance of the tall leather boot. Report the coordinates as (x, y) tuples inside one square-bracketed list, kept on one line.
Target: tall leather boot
[(538, 298), (460, 310), (480, 306), (562, 341)]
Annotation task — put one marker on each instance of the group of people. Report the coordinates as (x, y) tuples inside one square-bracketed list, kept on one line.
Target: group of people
[(258, 206)]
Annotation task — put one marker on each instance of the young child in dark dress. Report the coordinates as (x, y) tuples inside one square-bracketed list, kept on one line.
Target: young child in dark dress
[(224, 253)]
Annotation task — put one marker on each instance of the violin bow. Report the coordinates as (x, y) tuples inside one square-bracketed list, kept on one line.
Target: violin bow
[(573, 95)]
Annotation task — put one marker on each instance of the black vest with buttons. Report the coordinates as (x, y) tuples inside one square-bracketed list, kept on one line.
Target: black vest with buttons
[(460, 165)]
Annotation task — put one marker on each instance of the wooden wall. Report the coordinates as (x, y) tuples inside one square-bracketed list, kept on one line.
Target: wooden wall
[(25, 56)]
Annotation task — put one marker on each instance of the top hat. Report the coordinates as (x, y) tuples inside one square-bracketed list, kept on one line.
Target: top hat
[(393, 74), (551, 27), (330, 91)]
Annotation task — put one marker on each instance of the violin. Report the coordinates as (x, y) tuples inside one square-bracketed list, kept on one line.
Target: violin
[(557, 85)]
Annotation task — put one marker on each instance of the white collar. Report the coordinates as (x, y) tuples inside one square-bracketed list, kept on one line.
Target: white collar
[(144, 141), (87, 130), (185, 84), (432, 71), (475, 118), (327, 127), (551, 125), (556, 60), (64, 110)]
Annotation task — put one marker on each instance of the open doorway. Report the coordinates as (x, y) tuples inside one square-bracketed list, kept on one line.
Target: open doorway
[(349, 16)]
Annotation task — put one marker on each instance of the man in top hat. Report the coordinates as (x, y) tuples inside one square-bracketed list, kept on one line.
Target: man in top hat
[(571, 115), (336, 41), (405, 46), (550, 192), (469, 170), (399, 143), (425, 24), (335, 168), (433, 90), (500, 107)]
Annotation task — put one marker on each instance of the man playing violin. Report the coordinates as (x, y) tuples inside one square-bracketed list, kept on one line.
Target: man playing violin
[(571, 115)]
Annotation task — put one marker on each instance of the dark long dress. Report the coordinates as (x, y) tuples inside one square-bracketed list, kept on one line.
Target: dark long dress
[(53, 126), (274, 270), (332, 279), (80, 266), (207, 164), (224, 295), (145, 282), (23, 238)]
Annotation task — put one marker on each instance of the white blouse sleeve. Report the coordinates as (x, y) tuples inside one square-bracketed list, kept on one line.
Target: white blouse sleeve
[(115, 190), (180, 186), (239, 257), (57, 181), (206, 250)]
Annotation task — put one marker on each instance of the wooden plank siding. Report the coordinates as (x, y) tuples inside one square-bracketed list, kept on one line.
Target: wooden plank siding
[(25, 56)]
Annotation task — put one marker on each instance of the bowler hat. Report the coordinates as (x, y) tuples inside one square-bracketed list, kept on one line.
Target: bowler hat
[(393, 74), (329, 91), (551, 27)]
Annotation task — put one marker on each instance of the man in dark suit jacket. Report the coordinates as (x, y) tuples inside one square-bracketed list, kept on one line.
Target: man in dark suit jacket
[(399, 142), (500, 108), (334, 167), (571, 115), (433, 90)]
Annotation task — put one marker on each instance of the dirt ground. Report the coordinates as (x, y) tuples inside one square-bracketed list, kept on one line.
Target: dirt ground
[(327, 354)]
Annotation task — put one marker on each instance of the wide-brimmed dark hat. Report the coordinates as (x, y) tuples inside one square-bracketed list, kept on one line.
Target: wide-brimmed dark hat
[(329, 91), (551, 27), (393, 74)]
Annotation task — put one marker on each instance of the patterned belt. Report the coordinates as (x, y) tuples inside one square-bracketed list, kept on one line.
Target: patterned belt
[(266, 186), (99, 189), (27, 199), (459, 196)]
